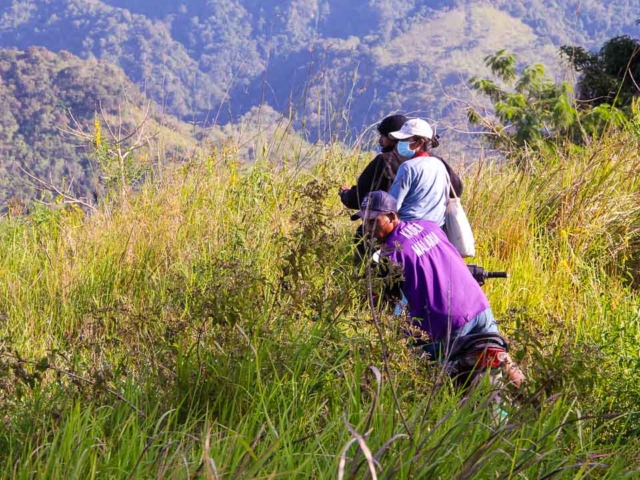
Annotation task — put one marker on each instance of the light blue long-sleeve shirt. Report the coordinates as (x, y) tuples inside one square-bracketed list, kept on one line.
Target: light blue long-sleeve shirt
[(421, 188)]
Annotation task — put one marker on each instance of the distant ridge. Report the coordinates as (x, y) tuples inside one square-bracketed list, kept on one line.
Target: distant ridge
[(41, 92), (321, 59)]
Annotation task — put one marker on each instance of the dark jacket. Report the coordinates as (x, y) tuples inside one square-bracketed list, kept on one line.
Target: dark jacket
[(456, 183), (379, 175)]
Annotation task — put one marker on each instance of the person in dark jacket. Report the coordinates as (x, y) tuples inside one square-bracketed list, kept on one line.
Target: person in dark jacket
[(378, 175), (381, 171)]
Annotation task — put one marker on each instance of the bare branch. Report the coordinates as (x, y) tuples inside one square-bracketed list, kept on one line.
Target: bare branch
[(103, 115), (51, 187), (75, 376)]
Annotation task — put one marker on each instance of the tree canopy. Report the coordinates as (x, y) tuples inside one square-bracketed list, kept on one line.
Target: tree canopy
[(535, 109), (530, 111), (611, 75)]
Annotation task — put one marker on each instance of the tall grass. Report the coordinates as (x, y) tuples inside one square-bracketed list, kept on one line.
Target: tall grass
[(213, 327)]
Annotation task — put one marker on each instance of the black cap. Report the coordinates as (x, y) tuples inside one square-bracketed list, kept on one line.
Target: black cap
[(392, 123)]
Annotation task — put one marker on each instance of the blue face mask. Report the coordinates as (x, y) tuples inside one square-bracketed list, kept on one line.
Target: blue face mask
[(404, 150)]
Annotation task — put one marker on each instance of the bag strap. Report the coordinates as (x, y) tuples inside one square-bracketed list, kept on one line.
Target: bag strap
[(452, 191)]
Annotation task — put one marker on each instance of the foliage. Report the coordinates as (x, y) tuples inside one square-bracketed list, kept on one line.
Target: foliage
[(47, 99), (38, 90), (212, 326), (537, 110), (610, 76), (537, 113)]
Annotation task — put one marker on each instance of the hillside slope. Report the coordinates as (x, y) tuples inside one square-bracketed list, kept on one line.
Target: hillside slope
[(216, 59), (213, 326), (44, 96)]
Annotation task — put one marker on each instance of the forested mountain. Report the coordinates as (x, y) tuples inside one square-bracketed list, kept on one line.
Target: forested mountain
[(363, 57), (336, 66), (44, 97)]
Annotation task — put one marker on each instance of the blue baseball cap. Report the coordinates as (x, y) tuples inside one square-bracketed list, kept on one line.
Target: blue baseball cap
[(374, 204)]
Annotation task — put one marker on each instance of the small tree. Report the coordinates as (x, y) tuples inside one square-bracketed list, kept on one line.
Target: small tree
[(114, 153), (530, 111)]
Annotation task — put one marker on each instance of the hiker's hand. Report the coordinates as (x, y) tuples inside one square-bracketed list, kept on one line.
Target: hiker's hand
[(343, 189)]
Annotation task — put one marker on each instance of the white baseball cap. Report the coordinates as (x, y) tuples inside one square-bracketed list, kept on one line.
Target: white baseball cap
[(416, 127)]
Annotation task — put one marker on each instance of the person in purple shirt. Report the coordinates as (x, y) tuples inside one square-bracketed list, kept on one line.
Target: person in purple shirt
[(445, 301)]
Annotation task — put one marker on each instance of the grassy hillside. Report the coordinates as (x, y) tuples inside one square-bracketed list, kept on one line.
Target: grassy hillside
[(332, 69), (212, 327), (460, 38)]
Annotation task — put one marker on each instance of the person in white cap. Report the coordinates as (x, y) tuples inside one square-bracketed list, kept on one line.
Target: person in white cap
[(421, 186)]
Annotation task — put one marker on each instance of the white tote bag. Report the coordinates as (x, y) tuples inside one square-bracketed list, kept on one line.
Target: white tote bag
[(458, 228)]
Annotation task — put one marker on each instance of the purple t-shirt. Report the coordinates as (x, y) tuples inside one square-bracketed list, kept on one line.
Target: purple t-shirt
[(442, 293)]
